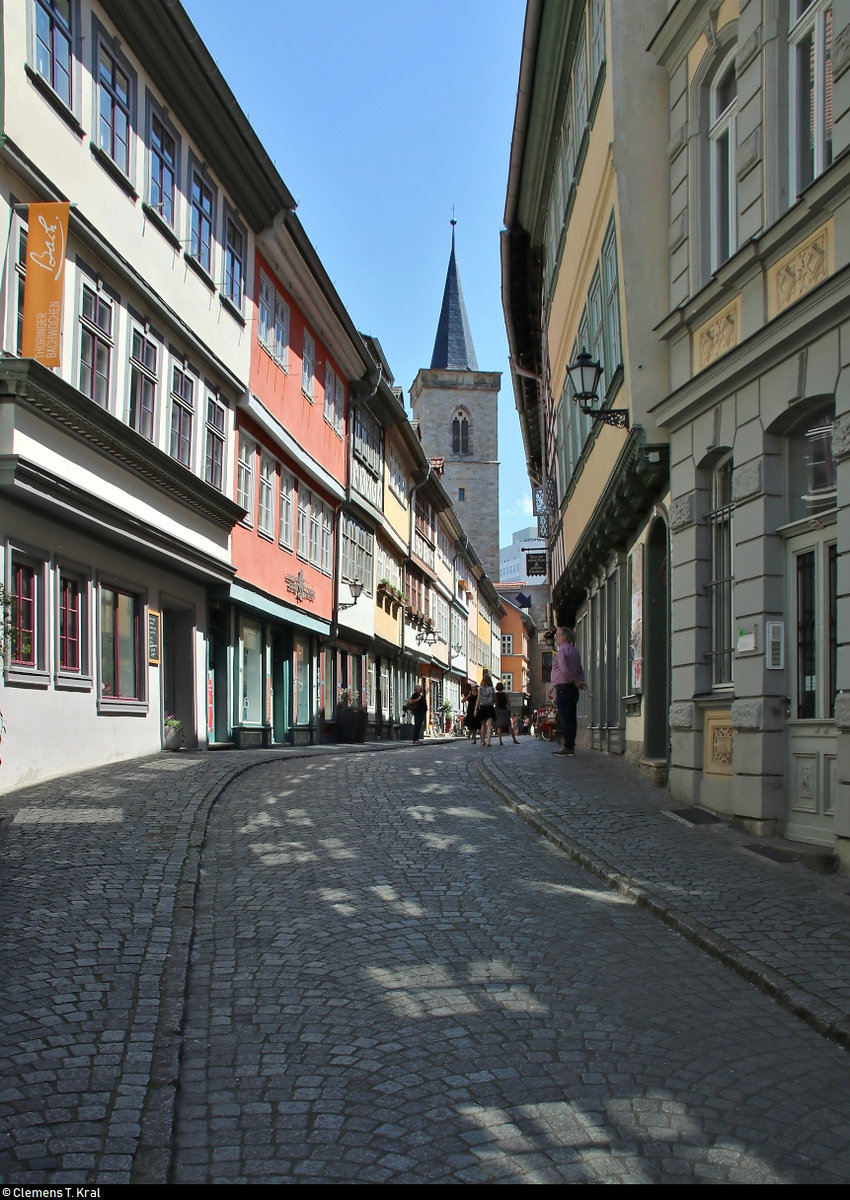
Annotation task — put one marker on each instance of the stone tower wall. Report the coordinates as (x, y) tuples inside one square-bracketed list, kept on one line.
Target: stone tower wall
[(435, 398)]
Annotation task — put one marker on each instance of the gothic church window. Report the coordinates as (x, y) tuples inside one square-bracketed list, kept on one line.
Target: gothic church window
[(461, 435)]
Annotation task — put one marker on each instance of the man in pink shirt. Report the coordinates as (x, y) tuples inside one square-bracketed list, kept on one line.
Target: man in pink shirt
[(567, 678)]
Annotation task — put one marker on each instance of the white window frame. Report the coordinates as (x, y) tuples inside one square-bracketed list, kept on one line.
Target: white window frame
[(302, 546), (47, 11), (235, 251), (166, 205), (100, 336), (326, 565), (181, 413), (596, 21), (815, 22), (266, 495), (281, 332), (721, 585), (201, 249), (611, 303), (124, 107), (287, 493), (334, 399), (723, 179), (245, 477), (215, 436), (308, 366), (143, 374)]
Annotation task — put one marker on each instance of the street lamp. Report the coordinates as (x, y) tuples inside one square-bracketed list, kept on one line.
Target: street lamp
[(355, 587), (584, 377)]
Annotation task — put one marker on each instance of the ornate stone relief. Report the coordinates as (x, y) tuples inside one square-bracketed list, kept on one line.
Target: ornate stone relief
[(717, 336), (796, 274), (719, 744), (682, 511)]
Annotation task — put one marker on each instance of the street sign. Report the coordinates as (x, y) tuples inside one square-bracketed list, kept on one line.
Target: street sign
[(535, 562)]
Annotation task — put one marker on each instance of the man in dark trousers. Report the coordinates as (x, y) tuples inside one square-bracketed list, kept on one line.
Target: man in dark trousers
[(567, 680), (418, 706)]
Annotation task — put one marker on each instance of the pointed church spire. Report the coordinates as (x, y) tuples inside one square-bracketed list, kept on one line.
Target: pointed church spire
[(453, 348)]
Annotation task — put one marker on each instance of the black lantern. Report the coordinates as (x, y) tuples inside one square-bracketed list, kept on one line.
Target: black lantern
[(584, 378)]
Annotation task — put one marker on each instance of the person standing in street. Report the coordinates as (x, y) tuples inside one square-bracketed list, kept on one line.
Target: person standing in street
[(503, 713), (418, 706), (485, 709), (567, 680), (472, 723)]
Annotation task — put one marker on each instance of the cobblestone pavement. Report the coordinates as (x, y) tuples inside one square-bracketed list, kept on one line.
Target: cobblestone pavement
[(393, 979)]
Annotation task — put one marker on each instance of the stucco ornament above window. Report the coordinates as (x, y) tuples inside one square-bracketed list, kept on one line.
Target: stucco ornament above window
[(801, 270), (717, 336)]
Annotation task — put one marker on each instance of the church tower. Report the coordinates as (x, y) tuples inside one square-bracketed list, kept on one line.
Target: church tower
[(455, 407)]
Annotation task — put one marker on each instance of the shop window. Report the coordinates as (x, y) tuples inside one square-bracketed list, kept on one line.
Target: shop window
[(121, 674), (26, 641)]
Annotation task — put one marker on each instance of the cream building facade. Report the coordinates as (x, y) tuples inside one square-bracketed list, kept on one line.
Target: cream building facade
[(583, 256)]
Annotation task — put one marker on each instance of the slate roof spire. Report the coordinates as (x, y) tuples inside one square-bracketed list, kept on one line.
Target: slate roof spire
[(453, 348)]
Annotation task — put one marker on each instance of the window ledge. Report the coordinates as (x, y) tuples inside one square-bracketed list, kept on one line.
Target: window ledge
[(55, 101), (282, 363), (73, 683), (234, 310), (200, 271), (114, 171), (27, 677), (159, 222), (122, 708)]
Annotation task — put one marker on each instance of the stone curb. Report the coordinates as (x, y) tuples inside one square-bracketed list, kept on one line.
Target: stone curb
[(825, 1018)]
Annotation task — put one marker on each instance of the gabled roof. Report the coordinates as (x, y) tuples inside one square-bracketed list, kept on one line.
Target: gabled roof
[(453, 348)]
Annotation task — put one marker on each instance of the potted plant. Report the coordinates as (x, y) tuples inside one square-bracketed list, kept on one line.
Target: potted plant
[(173, 732), (447, 709)]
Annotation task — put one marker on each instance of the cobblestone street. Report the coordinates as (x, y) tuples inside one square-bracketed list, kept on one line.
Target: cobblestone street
[(393, 979), (362, 966)]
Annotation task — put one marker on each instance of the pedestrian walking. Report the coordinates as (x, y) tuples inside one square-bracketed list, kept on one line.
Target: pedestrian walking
[(503, 723), (567, 680), (471, 719), (485, 709), (418, 706)]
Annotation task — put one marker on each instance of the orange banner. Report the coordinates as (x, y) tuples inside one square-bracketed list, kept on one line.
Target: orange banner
[(46, 237)]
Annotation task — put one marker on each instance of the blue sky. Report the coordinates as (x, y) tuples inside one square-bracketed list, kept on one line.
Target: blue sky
[(383, 117)]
